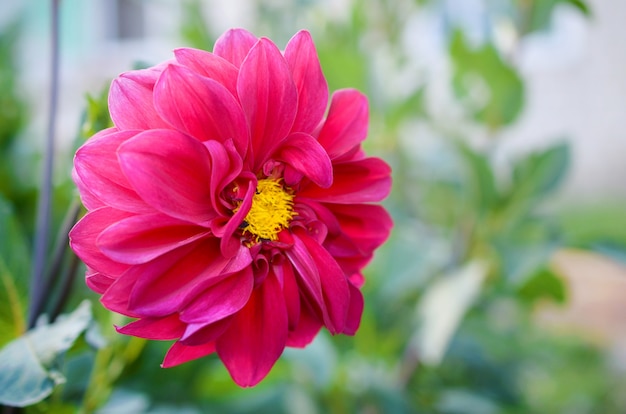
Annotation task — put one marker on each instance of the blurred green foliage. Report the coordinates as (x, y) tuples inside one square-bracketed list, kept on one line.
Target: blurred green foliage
[(453, 206)]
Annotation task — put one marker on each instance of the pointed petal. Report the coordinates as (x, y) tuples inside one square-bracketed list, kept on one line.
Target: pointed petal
[(333, 282), (359, 181), (171, 172), (97, 281), (302, 59), (200, 107), (220, 300), (97, 167), (355, 311), (160, 329), (130, 101), (179, 353), (304, 154), (210, 65), (83, 238), (346, 125), (268, 97), (234, 45), (139, 239), (257, 335)]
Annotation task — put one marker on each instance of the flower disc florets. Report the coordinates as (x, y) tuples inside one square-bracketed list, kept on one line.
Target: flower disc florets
[(271, 210)]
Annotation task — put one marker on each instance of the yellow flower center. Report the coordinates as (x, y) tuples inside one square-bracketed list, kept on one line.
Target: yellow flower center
[(271, 211)]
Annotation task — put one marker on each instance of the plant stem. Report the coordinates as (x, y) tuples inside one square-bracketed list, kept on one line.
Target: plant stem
[(45, 197)]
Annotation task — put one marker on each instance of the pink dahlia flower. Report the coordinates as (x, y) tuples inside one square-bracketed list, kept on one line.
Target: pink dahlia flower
[(228, 208)]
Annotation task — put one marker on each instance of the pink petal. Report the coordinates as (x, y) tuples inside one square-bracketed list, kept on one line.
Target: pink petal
[(269, 98), (179, 353), (291, 293), (346, 125), (160, 329), (210, 65), (359, 181), (220, 300), (368, 225), (83, 240), (200, 333), (302, 59), (333, 283), (234, 45), (97, 281), (257, 335), (200, 107), (99, 174), (304, 154), (89, 199), (355, 311), (139, 239), (130, 101), (171, 282), (307, 329), (171, 172)]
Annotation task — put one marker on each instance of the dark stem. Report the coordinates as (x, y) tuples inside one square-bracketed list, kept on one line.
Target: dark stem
[(59, 254), (65, 287), (45, 197)]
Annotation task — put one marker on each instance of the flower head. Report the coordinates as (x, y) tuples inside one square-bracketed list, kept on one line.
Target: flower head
[(228, 208)]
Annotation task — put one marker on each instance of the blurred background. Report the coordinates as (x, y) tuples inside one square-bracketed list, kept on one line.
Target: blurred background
[(502, 287)]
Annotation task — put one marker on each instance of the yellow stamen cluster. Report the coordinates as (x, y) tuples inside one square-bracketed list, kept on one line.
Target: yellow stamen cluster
[(271, 211)]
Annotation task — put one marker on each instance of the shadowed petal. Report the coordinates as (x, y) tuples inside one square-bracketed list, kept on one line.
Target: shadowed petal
[(366, 225), (355, 310), (346, 124), (359, 181), (200, 107), (179, 353), (268, 97), (234, 45), (302, 59), (257, 335), (210, 65), (304, 154), (201, 333), (141, 238), (171, 172), (306, 330)]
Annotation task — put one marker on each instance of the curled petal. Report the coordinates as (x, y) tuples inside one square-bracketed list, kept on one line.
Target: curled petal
[(170, 171), (302, 59), (346, 125), (355, 310), (360, 181), (200, 333), (234, 45), (305, 155), (256, 336), (269, 98), (200, 107)]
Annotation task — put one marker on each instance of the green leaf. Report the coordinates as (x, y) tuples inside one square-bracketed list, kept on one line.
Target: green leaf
[(544, 284), (492, 90), (540, 173), (484, 192), (27, 364)]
